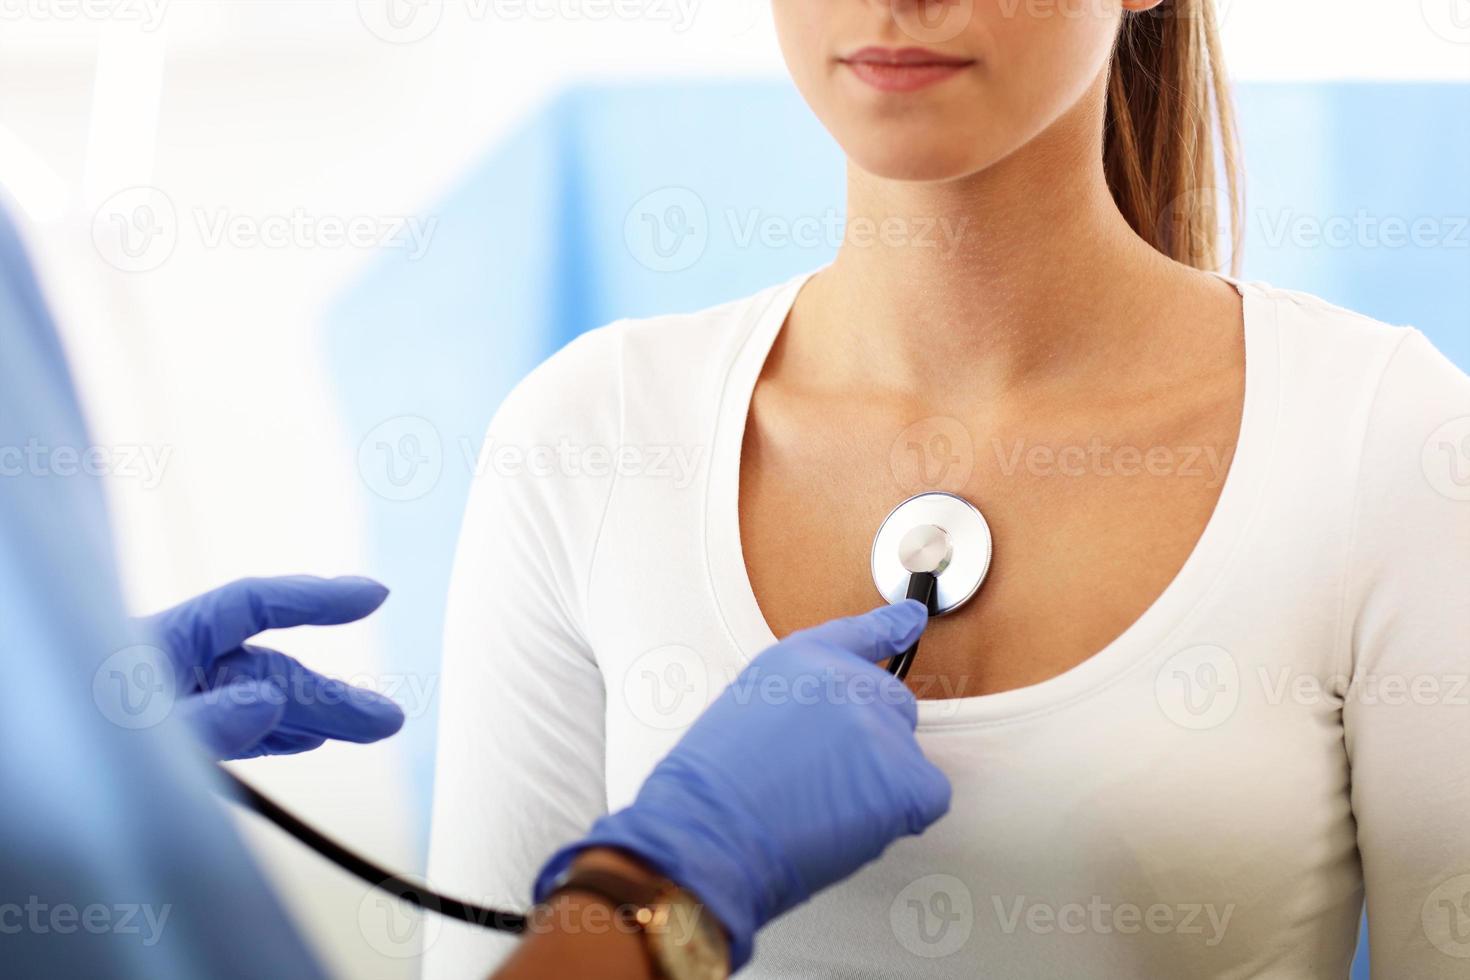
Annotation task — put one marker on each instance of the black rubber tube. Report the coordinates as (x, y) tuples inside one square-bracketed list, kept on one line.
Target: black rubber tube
[(369, 872), (923, 586)]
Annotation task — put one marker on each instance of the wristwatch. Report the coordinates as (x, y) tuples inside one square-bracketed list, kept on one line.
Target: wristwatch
[(681, 936)]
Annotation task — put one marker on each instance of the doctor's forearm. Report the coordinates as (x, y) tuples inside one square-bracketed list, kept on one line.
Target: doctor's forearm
[(564, 950), (577, 935)]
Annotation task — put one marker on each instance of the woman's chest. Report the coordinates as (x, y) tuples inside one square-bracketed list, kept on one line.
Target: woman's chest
[(1089, 529), (1099, 846)]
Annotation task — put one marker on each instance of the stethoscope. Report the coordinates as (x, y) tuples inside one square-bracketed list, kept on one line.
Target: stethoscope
[(934, 547)]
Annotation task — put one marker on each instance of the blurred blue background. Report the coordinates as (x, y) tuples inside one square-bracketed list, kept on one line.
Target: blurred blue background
[(639, 199)]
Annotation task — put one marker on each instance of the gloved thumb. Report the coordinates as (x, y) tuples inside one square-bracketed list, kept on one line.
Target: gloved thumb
[(875, 636), (231, 720)]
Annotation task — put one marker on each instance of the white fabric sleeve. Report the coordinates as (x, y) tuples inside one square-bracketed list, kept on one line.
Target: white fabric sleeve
[(521, 730), (1407, 710)]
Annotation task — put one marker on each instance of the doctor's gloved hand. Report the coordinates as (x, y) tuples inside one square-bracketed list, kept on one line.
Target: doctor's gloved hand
[(245, 701), (805, 769)]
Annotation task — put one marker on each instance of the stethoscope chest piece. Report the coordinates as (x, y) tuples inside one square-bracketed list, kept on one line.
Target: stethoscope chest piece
[(935, 533)]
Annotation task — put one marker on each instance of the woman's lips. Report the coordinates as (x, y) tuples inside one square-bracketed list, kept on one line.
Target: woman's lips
[(904, 69)]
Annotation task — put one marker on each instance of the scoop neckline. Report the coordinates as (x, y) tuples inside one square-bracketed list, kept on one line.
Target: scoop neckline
[(1165, 617)]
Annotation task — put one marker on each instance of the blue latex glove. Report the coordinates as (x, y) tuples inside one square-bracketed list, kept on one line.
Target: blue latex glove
[(804, 770), (246, 701)]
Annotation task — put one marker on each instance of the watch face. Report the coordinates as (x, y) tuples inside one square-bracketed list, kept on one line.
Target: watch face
[(687, 943)]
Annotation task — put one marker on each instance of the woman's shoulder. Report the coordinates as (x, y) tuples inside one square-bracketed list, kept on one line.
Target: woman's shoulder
[(1344, 360), (1319, 326), (674, 362), (1379, 407)]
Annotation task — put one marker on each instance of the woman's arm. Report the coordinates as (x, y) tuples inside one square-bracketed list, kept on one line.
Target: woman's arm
[(520, 753), (1407, 625)]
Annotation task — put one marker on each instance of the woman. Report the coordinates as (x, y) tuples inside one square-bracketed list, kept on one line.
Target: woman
[(1208, 697)]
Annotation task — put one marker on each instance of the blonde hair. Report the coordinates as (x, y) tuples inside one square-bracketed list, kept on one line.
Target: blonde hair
[(1169, 113)]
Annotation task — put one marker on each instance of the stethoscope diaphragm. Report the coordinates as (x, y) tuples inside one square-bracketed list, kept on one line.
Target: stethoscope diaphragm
[(934, 548), (938, 533)]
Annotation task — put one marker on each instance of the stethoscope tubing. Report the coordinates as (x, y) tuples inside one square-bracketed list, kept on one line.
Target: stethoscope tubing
[(923, 587), (355, 864)]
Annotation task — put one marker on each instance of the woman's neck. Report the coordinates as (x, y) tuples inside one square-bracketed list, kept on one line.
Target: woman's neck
[(1023, 273)]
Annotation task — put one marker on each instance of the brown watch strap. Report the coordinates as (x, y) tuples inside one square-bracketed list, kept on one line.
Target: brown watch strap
[(622, 891), (644, 904)]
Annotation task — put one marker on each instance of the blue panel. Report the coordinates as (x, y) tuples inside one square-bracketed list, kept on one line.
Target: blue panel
[(442, 339), (743, 164), (1344, 180), (658, 197)]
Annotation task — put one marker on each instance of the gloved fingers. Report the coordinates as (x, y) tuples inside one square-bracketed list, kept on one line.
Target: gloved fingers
[(278, 743), (896, 694), (874, 636), (219, 621), (232, 720), (932, 793), (315, 705)]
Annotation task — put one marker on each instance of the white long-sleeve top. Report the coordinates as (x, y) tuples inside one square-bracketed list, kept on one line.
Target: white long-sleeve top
[(1285, 728)]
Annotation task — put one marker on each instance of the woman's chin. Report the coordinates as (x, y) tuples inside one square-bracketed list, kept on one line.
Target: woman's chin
[(939, 161)]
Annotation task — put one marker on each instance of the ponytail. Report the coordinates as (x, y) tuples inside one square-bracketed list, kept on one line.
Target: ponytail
[(1169, 111)]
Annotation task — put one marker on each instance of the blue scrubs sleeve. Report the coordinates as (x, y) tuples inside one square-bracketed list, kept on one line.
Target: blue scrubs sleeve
[(115, 858)]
